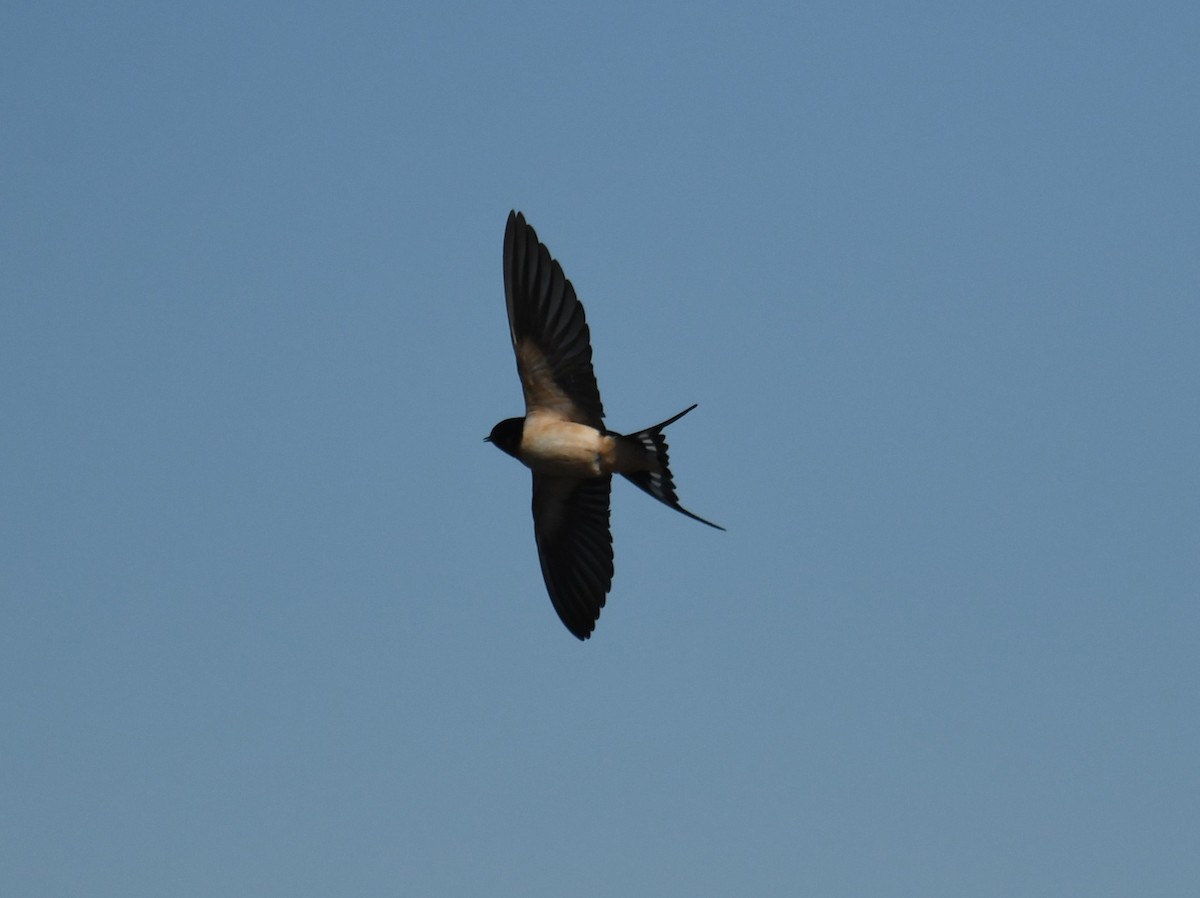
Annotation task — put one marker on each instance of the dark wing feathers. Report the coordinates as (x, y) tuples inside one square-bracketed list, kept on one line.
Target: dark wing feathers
[(549, 330), (571, 523)]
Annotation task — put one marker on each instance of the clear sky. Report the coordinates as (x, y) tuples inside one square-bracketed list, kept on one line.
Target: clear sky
[(271, 619)]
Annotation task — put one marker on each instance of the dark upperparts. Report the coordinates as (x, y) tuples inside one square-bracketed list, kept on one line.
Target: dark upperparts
[(506, 436)]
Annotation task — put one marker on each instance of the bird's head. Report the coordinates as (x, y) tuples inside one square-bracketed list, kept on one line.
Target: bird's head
[(506, 435)]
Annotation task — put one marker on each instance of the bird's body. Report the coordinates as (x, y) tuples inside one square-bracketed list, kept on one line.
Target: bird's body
[(549, 445), (562, 438)]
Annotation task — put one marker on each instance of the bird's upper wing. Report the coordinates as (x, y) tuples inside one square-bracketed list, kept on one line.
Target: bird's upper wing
[(549, 332), (570, 521)]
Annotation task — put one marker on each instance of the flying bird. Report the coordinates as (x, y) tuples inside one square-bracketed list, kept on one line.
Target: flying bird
[(562, 438)]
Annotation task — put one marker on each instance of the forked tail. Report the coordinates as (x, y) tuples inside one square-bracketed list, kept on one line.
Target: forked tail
[(657, 479)]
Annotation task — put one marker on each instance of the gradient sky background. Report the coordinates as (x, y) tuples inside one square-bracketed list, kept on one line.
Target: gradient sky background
[(272, 620)]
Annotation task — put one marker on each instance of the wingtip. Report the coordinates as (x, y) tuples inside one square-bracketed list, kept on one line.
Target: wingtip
[(578, 626)]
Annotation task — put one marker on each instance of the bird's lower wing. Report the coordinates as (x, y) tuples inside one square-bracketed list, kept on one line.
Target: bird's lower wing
[(571, 524)]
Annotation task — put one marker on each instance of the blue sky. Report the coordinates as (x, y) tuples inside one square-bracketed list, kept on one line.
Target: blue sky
[(272, 617)]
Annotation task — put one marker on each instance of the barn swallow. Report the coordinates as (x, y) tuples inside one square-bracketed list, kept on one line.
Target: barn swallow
[(562, 438)]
